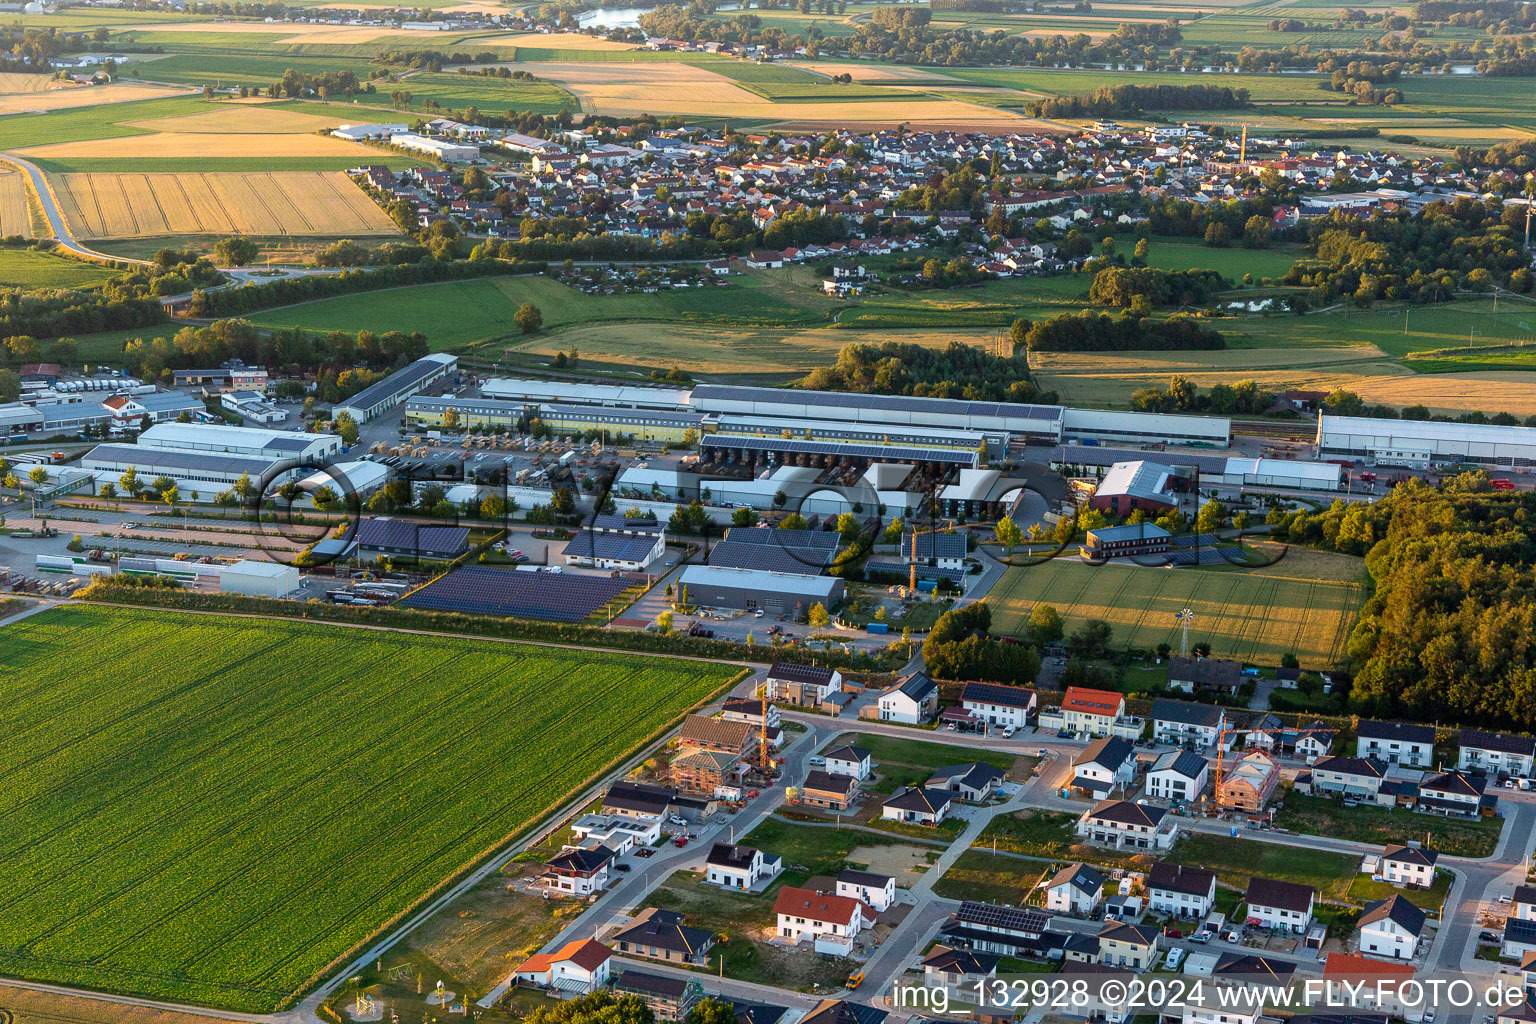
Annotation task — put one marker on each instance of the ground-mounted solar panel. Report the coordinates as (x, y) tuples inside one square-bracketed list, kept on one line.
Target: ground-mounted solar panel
[(1204, 540), (484, 590), (784, 538)]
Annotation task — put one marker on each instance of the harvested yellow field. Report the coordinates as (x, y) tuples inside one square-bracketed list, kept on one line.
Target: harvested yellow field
[(1511, 391), (13, 83), (874, 73), (83, 96), (668, 88), (192, 145), (322, 203), (1118, 363), (14, 219), (246, 119), (554, 41)]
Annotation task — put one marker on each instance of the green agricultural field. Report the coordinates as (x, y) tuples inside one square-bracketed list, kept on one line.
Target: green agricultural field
[(489, 94), (214, 810), (1399, 330), (226, 69), (1233, 263), (99, 122), (1251, 616), (29, 268), (458, 313)]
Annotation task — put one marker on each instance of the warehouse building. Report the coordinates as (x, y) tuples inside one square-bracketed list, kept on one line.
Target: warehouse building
[(227, 440), (470, 413), (397, 387), (724, 449), (883, 433), (448, 152), (1129, 486), (128, 411), (775, 593), (1213, 470), (1145, 428), (658, 425), (259, 579), (1034, 422), (1419, 444), (201, 473), (559, 392), (400, 538)]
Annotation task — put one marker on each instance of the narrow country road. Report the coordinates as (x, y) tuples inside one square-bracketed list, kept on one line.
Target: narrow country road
[(56, 218)]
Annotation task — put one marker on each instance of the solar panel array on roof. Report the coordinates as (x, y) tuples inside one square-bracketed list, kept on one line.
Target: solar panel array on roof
[(783, 538), (175, 458), (622, 524), (404, 535), (861, 451), (393, 384), (483, 590), (287, 444), (616, 547), (805, 561)]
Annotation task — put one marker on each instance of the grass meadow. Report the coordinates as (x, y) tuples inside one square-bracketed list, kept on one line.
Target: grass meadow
[(1253, 616), (28, 268), (237, 803)]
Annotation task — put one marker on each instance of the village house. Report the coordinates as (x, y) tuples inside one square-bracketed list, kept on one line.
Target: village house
[(830, 922), (823, 789), (849, 760), (740, 867), (916, 806), (1409, 866), (1122, 824), (1178, 776), (1181, 891), (876, 890), (1249, 783), (998, 705), (663, 935), (1396, 743), (1075, 889), (576, 969), (1390, 929), (1181, 722), (1494, 752), (1106, 765), (806, 686), (913, 701), (971, 783), (1280, 906)]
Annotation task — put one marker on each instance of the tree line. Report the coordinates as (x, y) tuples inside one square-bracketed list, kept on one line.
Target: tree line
[(903, 368), (1130, 100), (1100, 332), (226, 302)]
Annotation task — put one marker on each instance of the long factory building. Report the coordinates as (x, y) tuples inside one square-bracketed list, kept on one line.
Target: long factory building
[(1418, 444), (893, 420)]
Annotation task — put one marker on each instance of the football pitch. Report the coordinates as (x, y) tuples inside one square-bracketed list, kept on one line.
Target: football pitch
[(214, 810), (1244, 615)]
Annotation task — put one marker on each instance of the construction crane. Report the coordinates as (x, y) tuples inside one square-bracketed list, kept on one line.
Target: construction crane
[(1221, 739)]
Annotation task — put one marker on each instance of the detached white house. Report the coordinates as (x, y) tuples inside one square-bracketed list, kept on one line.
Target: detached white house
[(1409, 865), (878, 891), (1075, 889), (1181, 722), (1105, 765), (999, 706), (575, 969), (1282, 906), (1125, 825), (1178, 775), (1495, 752), (1390, 929), (740, 867), (916, 806), (913, 701), (829, 921), (971, 783), (1181, 891), (1396, 743), (848, 760)]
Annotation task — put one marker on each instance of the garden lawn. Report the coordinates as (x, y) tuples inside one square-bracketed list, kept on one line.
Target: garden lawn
[(888, 750), (990, 878), (1235, 860), (1321, 816), (816, 848), (1364, 890), (1035, 833), (214, 810)]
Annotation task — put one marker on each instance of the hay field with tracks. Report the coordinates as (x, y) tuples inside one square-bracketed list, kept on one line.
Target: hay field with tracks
[(81, 96), (319, 203), (680, 88), (14, 218)]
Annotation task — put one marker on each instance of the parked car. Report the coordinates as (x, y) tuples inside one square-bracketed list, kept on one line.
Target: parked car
[(816, 761)]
